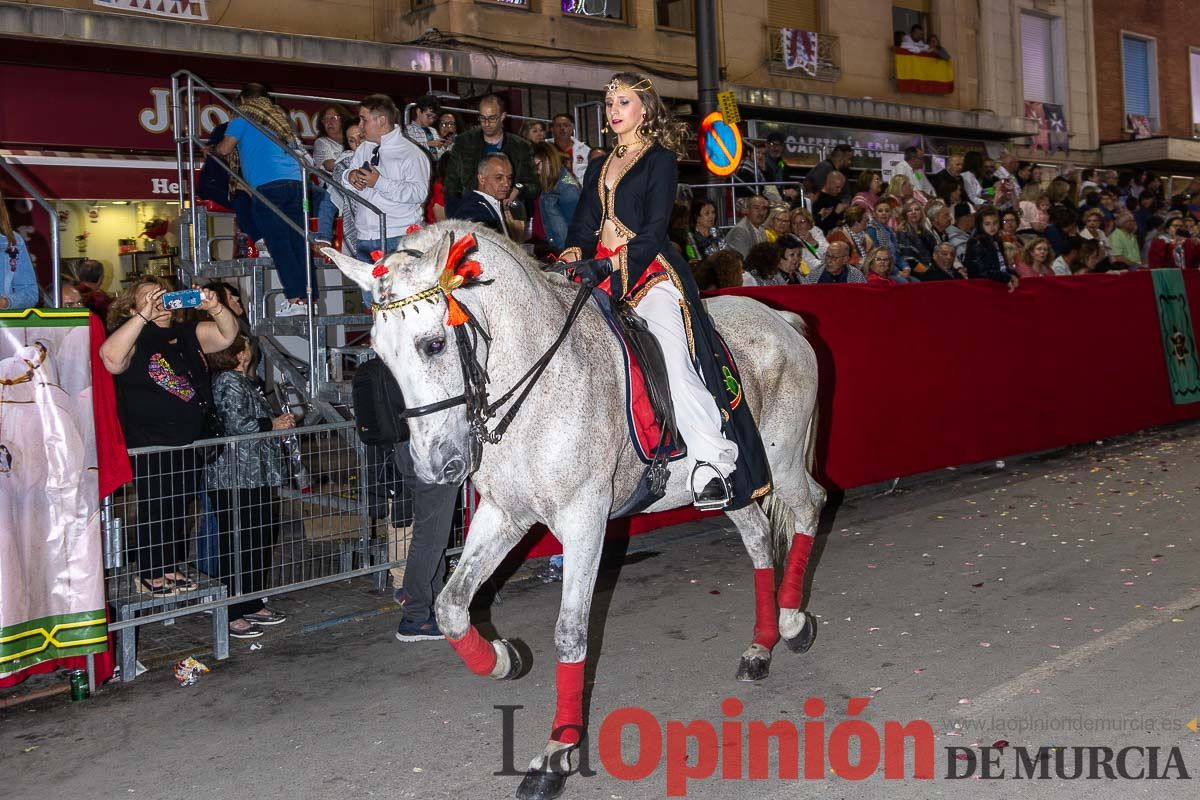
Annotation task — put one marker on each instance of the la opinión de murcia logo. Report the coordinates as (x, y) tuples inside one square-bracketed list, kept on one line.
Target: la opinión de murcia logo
[(1066, 763), (853, 749)]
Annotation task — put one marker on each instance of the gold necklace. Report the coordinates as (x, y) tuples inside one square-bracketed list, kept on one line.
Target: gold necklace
[(622, 149)]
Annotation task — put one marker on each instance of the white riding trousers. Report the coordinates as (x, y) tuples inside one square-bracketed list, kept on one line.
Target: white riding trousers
[(696, 413)]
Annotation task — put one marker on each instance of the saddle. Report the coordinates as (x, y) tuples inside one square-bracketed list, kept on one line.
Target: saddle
[(648, 407)]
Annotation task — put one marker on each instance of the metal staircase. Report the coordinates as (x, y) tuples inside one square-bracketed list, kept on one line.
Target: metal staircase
[(320, 377)]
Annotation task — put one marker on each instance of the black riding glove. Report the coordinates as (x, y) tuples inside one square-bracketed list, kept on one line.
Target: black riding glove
[(591, 272)]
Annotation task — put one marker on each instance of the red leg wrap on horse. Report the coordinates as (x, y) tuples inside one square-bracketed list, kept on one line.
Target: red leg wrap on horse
[(791, 589), (568, 718), (475, 651), (766, 619)]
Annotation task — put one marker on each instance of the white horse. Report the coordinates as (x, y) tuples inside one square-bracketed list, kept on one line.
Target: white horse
[(567, 460)]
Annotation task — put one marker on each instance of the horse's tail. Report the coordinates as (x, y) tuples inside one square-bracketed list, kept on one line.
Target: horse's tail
[(782, 520)]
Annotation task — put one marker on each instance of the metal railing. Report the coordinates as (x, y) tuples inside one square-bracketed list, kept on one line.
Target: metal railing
[(234, 520), (55, 256), (575, 113), (184, 87)]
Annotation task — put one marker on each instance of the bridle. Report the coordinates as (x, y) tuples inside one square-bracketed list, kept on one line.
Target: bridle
[(460, 274)]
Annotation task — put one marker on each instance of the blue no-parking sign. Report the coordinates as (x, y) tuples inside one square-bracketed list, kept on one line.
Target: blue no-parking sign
[(720, 144)]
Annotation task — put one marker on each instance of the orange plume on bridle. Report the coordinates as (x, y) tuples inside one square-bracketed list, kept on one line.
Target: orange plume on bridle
[(456, 273)]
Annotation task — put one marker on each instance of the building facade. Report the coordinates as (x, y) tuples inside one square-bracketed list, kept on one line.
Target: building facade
[(554, 55), (1149, 101)]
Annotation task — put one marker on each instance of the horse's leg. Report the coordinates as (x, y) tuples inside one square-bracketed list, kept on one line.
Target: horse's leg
[(752, 524), (492, 535), (582, 546), (806, 498)]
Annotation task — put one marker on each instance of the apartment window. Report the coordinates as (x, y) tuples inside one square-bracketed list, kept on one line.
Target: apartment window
[(1139, 68), (605, 9), (1039, 64), (803, 15), (1194, 58), (905, 14), (677, 14)]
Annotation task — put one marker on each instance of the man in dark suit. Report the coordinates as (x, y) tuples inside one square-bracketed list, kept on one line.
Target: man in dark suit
[(488, 203)]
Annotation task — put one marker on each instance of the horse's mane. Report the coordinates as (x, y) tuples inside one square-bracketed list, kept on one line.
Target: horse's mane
[(428, 238)]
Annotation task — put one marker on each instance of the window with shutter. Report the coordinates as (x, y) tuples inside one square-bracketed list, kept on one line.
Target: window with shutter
[(1140, 74), (1194, 57), (1037, 58), (1136, 53), (800, 14)]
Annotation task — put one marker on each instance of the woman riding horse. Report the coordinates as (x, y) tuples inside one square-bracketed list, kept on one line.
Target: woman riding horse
[(622, 220)]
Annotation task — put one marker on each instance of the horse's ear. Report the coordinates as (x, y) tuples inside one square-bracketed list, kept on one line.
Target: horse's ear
[(443, 250), (352, 268)]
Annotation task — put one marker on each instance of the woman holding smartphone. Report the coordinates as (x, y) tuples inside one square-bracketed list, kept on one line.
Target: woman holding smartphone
[(164, 397)]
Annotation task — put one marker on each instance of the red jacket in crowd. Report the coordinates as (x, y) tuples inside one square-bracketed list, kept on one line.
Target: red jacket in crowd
[(1162, 254)]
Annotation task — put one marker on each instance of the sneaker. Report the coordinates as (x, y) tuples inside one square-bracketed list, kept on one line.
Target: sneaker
[(253, 632), (289, 309), (261, 247), (412, 631), (265, 617)]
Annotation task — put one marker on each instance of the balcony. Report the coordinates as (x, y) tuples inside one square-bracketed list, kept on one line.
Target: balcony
[(828, 58)]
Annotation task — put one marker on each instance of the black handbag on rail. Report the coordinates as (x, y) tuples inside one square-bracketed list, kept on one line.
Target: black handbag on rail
[(378, 405)]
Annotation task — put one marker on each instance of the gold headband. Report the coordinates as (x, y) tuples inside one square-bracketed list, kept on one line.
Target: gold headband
[(644, 85)]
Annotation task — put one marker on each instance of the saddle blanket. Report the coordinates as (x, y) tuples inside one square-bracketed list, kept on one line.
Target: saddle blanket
[(645, 427)]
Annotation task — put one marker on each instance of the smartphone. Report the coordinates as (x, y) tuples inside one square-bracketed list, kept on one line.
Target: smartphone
[(188, 298)]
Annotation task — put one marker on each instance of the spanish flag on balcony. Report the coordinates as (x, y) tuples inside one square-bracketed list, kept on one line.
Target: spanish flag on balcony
[(923, 73)]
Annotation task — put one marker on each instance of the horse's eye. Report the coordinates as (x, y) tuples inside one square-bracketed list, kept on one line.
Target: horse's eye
[(433, 347)]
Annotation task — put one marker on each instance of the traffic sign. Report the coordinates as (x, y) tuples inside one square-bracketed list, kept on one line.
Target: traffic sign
[(720, 144), (729, 107)]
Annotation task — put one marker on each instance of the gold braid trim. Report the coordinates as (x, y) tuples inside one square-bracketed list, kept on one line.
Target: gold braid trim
[(760, 491), (683, 306), (571, 251), (650, 283)]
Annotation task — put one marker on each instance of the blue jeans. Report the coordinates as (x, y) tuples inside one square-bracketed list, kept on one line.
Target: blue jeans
[(322, 200), (363, 253), (288, 248), (243, 210)]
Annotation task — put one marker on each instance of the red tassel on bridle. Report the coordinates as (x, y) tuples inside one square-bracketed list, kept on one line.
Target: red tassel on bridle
[(456, 273)]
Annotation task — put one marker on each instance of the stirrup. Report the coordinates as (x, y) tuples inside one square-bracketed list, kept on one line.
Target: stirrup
[(716, 494)]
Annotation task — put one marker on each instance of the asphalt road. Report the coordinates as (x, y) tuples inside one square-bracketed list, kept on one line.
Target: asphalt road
[(1049, 604)]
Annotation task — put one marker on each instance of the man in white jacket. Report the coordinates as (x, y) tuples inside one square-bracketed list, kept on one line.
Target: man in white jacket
[(574, 151), (388, 171), (913, 168)]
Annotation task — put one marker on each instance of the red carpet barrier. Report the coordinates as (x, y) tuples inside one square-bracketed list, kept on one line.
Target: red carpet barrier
[(920, 377)]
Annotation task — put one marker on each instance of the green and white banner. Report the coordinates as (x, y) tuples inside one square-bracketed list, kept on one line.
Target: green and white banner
[(51, 560), (1179, 340)]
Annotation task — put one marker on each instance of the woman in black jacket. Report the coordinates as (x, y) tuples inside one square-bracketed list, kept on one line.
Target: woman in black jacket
[(985, 252), (618, 242)]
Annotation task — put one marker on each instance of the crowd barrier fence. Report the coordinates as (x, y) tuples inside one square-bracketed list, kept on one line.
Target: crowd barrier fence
[(336, 512)]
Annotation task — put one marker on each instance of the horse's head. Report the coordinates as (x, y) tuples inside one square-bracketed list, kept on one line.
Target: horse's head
[(416, 292)]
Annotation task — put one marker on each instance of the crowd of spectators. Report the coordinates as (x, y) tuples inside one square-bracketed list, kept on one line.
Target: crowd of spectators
[(976, 218), (999, 219)]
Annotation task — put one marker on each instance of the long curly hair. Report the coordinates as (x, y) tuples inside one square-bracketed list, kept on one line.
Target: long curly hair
[(660, 124)]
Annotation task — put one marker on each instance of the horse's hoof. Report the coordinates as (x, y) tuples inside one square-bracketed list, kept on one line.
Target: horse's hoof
[(508, 661), (755, 663), (538, 785), (805, 638), (753, 668)]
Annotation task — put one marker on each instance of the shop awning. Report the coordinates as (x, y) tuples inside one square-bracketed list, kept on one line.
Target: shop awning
[(61, 175)]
